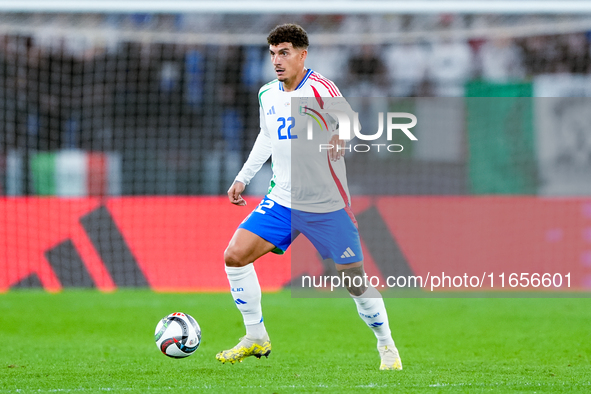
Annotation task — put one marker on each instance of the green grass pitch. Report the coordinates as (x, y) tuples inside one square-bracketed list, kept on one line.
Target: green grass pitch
[(87, 341)]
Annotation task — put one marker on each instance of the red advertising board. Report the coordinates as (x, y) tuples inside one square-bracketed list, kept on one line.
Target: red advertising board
[(177, 243)]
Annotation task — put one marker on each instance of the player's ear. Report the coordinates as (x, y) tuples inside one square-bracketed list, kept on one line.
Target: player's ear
[(304, 54)]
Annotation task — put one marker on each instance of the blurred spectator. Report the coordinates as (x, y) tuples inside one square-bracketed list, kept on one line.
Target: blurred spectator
[(232, 95), (194, 77), (14, 98), (575, 54), (366, 80), (449, 67), (56, 78), (367, 74), (330, 59), (407, 65), (353, 24), (501, 60), (542, 54)]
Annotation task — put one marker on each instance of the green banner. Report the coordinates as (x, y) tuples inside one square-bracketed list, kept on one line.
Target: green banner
[(43, 172), (501, 138)]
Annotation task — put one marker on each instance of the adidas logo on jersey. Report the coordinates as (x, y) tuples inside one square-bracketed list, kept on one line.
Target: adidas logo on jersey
[(347, 253), (271, 111)]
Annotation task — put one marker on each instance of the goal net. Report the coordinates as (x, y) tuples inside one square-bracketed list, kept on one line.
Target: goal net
[(121, 133)]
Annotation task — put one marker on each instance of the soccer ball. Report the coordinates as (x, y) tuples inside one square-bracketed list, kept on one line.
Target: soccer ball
[(178, 335)]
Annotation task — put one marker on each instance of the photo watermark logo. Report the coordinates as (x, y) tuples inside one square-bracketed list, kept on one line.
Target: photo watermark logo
[(344, 128)]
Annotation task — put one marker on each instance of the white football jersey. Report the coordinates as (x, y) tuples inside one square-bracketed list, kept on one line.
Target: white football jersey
[(303, 176)]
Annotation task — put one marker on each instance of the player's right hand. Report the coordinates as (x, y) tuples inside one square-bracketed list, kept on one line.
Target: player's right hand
[(234, 193)]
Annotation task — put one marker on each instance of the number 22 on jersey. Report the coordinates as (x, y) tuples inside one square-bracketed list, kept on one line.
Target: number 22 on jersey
[(283, 132)]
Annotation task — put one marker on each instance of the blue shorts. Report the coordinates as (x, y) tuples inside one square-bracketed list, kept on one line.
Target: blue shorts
[(333, 234)]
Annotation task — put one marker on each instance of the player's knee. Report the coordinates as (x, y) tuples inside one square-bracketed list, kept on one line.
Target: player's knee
[(233, 257), (355, 280)]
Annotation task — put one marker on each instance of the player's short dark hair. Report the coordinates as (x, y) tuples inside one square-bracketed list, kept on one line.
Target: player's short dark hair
[(289, 32)]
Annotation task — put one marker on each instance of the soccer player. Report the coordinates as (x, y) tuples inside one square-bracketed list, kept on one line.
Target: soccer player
[(317, 207)]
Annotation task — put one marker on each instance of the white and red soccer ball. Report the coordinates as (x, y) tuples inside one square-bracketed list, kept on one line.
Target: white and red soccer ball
[(178, 335)]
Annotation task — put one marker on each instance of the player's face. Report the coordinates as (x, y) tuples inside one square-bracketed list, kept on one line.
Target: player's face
[(287, 61)]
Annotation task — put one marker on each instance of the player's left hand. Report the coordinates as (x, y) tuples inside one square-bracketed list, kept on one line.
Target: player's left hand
[(338, 149)]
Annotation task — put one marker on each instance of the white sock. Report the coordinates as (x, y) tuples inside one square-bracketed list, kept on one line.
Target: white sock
[(247, 296), (372, 311)]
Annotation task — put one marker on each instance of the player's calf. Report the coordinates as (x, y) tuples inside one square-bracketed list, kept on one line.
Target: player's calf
[(354, 279)]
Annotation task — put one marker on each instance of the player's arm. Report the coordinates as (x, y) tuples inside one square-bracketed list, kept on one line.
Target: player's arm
[(260, 153)]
